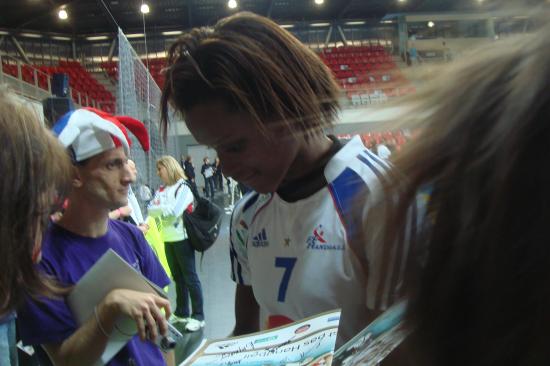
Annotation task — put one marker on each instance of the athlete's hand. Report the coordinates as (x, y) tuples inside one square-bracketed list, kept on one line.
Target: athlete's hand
[(144, 308)]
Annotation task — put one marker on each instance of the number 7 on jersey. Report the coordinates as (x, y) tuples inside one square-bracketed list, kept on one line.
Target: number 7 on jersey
[(288, 264)]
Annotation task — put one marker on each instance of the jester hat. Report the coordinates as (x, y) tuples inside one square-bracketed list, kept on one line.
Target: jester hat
[(89, 132)]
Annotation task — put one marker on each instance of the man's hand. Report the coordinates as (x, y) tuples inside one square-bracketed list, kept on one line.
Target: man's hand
[(144, 308), (124, 211), (144, 228), (120, 213)]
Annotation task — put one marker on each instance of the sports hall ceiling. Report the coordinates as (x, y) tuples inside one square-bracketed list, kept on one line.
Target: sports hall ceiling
[(92, 16)]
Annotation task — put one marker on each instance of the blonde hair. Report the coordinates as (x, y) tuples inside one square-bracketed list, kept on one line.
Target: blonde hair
[(173, 168)]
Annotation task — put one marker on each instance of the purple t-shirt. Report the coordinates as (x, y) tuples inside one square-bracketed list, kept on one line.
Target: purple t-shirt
[(67, 257)]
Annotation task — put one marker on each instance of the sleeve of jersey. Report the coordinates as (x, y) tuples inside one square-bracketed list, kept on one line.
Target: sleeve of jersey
[(183, 200), (238, 238)]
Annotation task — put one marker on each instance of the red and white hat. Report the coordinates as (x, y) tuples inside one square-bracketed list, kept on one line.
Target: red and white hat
[(89, 132)]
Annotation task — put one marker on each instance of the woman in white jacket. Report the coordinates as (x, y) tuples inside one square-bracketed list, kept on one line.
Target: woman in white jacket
[(169, 203)]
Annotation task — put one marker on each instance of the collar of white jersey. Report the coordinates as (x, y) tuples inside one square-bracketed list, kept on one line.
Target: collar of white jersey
[(343, 157)]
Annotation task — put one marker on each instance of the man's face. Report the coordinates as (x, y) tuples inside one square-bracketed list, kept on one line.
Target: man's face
[(105, 179)]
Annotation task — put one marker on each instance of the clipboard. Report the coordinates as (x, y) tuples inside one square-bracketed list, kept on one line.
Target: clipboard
[(110, 272)]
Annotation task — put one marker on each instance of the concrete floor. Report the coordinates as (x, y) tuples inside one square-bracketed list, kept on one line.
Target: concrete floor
[(218, 292)]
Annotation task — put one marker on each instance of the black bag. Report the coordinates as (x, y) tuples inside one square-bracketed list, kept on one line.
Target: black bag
[(203, 224)]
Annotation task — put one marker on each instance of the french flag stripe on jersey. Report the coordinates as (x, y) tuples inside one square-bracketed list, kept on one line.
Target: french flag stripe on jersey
[(346, 190)]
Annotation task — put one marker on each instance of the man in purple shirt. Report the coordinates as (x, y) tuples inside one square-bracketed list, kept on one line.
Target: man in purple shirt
[(83, 234)]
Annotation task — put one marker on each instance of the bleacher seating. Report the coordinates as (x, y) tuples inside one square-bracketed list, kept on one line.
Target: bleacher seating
[(155, 67), (396, 139), (367, 74), (29, 73), (85, 89)]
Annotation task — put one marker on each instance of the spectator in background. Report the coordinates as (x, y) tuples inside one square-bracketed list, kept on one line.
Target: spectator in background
[(136, 216), (169, 203), (207, 171), (383, 151), (218, 176), (70, 247), (36, 174), (189, 170), (479, 290), (183, 159)]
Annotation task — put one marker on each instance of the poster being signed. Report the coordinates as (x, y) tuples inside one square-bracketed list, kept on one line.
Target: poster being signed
[(309, 342)]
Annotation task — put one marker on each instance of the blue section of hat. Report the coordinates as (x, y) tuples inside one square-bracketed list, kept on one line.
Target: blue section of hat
[(61, 123)]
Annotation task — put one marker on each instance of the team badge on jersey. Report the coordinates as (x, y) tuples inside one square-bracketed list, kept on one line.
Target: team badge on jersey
[(317, 241)]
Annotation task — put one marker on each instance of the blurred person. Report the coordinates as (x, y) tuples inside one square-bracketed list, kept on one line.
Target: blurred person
[(383, 151), (207, 171), (262, 100), (36, 175), (182, 161), (189, 170), (136, 216), (98, 145), (169, 203), (479, 288), (218, 175)]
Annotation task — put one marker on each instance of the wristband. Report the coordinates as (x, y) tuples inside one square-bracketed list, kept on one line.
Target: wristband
[(121, 332)]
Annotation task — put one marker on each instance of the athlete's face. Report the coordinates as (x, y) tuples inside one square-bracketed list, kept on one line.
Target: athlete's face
[(246, 155), (105, 178)]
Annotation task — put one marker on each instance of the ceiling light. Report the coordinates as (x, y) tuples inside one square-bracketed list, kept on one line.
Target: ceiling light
[(63, 14), (61, 38), (386, 21), (401, 1), (319, 2), (319, 24), (431, 24), (232, 4), (4, 33), (287, 25), (96, 38), (172, 33), (356, 23), (135, 35), (30, 35), (144, 9)]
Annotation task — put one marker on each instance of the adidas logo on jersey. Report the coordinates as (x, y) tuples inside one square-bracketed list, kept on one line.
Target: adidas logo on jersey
[(260, 240)]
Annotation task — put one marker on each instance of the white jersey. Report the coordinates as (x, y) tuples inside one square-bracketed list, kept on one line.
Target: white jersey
[(300, 258), (168, 204)]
